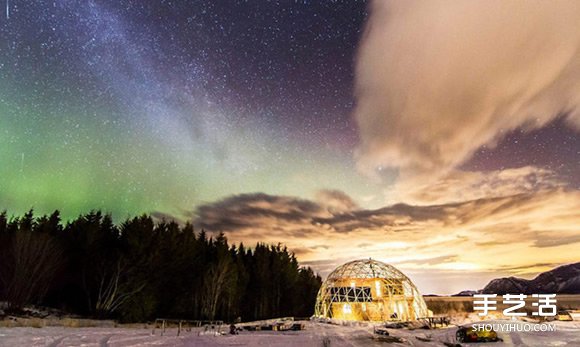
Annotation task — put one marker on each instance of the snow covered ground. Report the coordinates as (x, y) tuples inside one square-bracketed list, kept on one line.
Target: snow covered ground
[(315, 334)]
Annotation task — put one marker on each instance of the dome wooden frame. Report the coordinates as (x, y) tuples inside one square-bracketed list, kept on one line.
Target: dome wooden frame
[(369, 290)]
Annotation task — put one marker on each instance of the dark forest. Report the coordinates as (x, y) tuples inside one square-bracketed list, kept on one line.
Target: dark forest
[(142, 269)]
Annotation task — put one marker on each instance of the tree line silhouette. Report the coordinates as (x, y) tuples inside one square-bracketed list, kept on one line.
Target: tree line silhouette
[(141, 269)]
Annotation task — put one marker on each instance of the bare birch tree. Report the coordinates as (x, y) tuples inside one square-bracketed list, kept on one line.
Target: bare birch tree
[(31, 262), (216, 280)]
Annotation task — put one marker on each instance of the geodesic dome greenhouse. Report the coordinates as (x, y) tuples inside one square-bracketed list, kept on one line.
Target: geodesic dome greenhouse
[(369, 290)]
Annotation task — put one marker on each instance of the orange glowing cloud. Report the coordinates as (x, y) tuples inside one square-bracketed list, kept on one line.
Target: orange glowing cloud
[(481, 238)]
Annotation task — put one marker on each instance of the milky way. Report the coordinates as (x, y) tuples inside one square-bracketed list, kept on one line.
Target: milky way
[(132, 106)]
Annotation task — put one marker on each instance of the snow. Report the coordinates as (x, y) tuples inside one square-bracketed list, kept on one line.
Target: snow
[(315, 334)]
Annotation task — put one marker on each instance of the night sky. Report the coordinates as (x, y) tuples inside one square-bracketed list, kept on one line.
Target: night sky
[(176, 107), (136, 106)]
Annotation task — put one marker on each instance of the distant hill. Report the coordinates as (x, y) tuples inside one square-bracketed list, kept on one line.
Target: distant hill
[(561, 280), (467, 293)]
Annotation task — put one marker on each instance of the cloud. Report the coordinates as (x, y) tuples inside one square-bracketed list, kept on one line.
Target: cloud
[(470, 185), (282, 216), (544, 240), (532, 266), (336, 201), (435, 80), (306, 250), (488, 236), (435, 260)]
